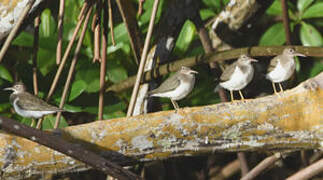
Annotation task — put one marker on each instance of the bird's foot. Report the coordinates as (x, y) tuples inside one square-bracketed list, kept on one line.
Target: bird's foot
[(179, 111)]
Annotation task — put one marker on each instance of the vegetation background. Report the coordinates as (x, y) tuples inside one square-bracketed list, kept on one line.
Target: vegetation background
[(306, 23)]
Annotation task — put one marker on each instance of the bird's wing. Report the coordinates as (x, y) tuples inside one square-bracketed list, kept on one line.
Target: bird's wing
[(169, 84), (32, 102), (228, 72), (273, 63)]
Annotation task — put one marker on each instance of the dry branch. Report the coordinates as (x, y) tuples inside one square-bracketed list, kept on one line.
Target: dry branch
[(290, 122)]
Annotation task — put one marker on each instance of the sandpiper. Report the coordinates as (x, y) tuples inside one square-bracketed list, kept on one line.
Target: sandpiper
[(282, 67), (28, 105), (238, 75), (177, 86)]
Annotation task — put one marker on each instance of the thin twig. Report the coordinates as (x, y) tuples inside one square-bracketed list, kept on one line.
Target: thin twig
[(111, 23), (15, 29), (140, 7), (286, 22), (129, 18), (243, 163), (60, 31), (72, 67), (262, 166), (304, 158), (143, 60), (308, 172), (82, 12), (34, 59), (103, 61), (67, 51), (97, 30)]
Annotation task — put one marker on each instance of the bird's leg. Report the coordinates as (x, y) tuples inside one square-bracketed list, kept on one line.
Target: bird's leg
[(241, 95), (175, 104), (39, 123), (33, 122), (281, 88), (231, 94), (274, 87)]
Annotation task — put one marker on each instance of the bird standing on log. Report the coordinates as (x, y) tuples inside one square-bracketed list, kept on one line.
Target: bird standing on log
[(177, 86)]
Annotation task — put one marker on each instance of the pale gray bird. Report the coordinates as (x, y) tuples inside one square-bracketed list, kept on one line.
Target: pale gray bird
[(238, 75), (282, 67), (28, 105), (177, 86)]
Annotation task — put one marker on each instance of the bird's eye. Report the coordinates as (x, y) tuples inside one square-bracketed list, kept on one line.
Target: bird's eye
[(291, 50)]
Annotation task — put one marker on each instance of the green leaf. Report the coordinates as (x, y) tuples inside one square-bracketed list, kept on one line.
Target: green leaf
[(4, 106), (89, 73), (46, 60), (49, 122), (275, 8), (303, 4), (116, 72), (24, 39), (206, 13), (314, 11), (310, 36), (107, 109), (185, 37), (71, 108), (318, 67), (4, 74), (275, 35), (48, 25), (77, 88)]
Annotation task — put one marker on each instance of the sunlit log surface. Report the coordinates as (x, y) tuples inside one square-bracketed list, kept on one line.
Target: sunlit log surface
[(292, 121), (10, 11)]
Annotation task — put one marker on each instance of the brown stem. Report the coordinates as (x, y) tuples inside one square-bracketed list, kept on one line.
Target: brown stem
[(34, 59), (103, 61), (111, 23), (67, 52), (82, 12), (142, 60), (128, 15), (35, 52), (72, 67), (309, 171), (243, 163), (97, 31), (60, 31), (261, 166), (286, 22), (15, 29)]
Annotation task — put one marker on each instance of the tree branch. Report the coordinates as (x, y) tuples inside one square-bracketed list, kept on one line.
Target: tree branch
[(214, 57), (272, 123)]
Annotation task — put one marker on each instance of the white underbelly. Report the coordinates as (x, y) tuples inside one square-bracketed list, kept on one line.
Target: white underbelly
[(179, 93), (238, 80), (280, 74), (30, 114)]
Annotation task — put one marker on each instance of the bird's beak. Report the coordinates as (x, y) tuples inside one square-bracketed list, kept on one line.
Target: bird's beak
[(299, 54), (8, 88), (253, 60), (194, 72)]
